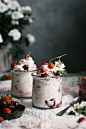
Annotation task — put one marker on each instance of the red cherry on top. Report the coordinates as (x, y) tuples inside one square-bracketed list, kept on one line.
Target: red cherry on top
[(45, 63), (42, 70), (13, 65), (51, 65), (26, 56)]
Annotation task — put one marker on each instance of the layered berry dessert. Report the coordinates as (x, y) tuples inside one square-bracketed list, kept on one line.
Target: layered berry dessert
[(47, 85), (82, 88), (22, 79)]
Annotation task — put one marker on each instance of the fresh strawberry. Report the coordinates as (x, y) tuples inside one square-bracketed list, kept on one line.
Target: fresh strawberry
[(1, 119), (8, 77), (45, 63), (6, 111), (36, 67), (13, 65), (42, 70), (26, 56), (84, 79), (51, 65), (7, 99), (80, 119)]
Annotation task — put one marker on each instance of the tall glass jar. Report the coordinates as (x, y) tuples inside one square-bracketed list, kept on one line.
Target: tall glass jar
[(21, 86), (82, 88), (47, 92)]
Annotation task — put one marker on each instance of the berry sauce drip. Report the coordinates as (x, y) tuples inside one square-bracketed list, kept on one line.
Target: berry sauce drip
[(25, 67)]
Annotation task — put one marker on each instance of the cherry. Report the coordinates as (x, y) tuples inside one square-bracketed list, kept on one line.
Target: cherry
[(11, 107), (16, 104), (3, 104), (84, 79)]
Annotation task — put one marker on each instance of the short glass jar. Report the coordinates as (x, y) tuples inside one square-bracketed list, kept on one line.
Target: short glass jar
[(21, 86), (82, 88), (47, 92)]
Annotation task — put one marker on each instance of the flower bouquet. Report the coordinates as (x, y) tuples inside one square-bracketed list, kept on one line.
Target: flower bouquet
[(13, 18)]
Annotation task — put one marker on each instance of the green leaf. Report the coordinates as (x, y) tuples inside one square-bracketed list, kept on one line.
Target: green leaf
[(71, 113), (84, 108)]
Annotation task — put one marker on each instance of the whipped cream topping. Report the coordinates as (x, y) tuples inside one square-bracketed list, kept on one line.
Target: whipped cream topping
[(58, 66), (28, 62)]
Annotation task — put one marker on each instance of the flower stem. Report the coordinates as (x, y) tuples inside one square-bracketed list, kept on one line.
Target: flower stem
[(29, 53), (57, 57)]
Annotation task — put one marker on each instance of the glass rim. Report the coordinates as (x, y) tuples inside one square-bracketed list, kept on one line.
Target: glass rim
[(23, 70), (45, 76)]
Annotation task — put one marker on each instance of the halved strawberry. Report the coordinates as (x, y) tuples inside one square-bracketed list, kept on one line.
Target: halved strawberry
[(45, 63), (8, 77), (6, 111), (13, 65), (80, 119), (42, 70), (7, 99), (51, 65), (1, 119)]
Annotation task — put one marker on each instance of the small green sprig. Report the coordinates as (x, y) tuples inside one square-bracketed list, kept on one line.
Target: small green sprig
[(29, 54), (61, 73), (79, 110), (56, 58)]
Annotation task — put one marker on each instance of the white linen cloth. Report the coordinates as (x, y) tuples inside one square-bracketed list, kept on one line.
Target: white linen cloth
[(34, 118)]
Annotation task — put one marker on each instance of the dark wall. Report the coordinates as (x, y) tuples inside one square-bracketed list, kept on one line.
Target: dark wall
[(59, 27)]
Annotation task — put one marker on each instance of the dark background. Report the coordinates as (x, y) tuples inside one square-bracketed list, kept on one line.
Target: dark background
[(59, 28)]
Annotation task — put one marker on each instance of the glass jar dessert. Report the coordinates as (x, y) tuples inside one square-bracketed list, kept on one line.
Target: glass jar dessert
[(22, 80), (47, 92), (47, 85), (82, 88)]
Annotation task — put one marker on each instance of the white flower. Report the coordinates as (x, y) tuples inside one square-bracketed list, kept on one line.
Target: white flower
[(31, 38), (15, 22), (30, 20), (7, 1), (17, 15), (3, 7), (13, 5), (15, 34), (59, 66), (9, 12), (26, 9), (1, 40)]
